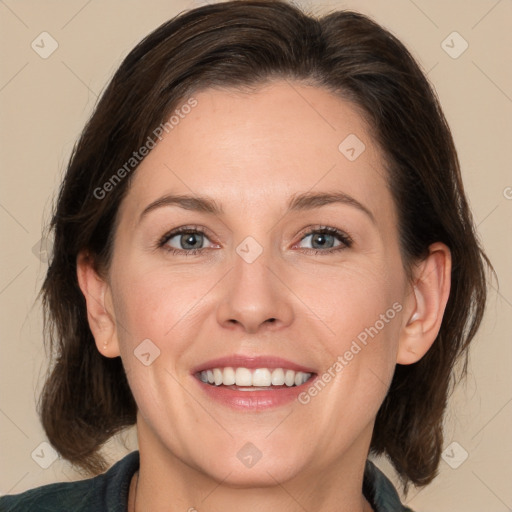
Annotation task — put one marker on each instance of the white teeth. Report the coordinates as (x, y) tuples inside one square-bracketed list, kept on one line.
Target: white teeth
[(228, 377), (243, 377), (261, 377), (278, 377), (217, 374), (300, 378), (289, 378), (257, 378)]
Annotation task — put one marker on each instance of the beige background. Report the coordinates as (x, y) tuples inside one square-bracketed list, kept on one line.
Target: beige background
[(44, 104)]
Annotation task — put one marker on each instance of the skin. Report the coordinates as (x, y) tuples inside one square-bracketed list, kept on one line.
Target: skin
[(251, 152)]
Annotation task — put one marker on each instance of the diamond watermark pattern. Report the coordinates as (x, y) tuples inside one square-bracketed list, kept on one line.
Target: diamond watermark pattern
[(454, 45), (44, 45), (249, 455), (351, 147), (42, 250), (249, 249), (44, 455), (454, 455), (146, 352)]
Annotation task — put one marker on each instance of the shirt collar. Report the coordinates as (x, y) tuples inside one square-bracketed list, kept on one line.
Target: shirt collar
[(380, 492)]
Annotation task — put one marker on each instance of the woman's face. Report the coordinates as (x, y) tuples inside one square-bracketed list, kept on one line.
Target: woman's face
[(257, 290)]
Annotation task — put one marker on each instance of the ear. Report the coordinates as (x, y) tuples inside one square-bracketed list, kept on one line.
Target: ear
[(99, 306), (426, 304)]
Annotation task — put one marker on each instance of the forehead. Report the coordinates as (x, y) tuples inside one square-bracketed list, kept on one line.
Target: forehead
[(259, 147)]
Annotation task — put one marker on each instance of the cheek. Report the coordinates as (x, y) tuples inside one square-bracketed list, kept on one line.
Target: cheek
[(151, 304), (356, 299), (362, 309), (164, 307), (154, 311)]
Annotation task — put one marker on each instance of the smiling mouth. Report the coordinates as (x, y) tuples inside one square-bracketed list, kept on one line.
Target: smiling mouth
[(258, 379)]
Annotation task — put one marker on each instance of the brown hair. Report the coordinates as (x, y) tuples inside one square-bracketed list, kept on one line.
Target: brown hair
[(239, 44)]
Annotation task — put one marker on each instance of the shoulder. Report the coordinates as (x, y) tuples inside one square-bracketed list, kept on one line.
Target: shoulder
[(108, 491), (380, 492)]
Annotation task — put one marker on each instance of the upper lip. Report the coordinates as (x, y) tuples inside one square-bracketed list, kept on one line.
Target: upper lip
[(252, 362)]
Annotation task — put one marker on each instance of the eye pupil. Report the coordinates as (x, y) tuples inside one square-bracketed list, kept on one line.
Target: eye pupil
[(191, 240), (320, 238)]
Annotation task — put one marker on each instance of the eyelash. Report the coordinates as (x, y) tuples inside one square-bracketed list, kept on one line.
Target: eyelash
[(345, 240)]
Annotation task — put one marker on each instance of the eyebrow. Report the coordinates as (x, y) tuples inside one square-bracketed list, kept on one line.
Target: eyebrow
[(310, 200), (298, 202)]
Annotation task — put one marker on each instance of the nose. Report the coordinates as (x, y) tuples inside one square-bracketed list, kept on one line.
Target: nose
[(254, 298)]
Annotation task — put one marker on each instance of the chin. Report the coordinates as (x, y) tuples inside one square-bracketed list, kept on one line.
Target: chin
[(261, 475)]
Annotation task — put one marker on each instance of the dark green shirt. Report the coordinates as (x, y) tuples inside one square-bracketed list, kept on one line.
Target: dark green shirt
[(109, 492)]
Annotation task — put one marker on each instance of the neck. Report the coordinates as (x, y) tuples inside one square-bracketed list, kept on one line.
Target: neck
[(165, 483)]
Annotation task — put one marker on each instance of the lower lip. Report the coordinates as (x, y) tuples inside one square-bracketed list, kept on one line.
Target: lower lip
[(253, 400)]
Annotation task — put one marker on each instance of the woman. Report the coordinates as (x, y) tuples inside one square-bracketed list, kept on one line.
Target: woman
[(264, 259)]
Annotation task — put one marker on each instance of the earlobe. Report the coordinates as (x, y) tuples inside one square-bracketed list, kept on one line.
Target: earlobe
[(430, 292), (96, 292)]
